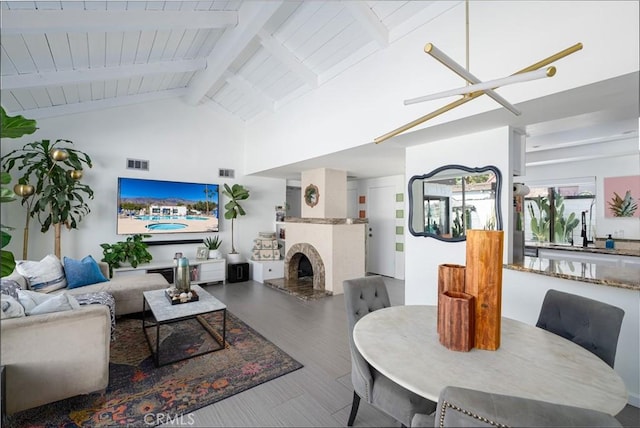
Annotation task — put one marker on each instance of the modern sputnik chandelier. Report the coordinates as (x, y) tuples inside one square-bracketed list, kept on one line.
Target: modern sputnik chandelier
[(475, 87)]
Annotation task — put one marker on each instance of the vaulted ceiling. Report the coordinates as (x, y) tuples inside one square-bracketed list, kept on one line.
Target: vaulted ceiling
[(243, 58), (239, 57)]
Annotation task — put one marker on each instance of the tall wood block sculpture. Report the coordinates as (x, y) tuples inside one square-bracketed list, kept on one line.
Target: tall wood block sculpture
[(483, 280)]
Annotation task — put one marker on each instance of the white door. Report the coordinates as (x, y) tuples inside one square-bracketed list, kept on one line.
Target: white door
[(381, 231)]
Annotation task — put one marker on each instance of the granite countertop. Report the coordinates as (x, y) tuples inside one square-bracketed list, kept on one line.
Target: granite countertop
[(590, 249), (613, 274), (325, 220)]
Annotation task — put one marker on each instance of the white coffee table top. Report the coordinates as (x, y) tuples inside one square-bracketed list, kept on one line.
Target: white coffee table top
[(402, 343), (164, 311)]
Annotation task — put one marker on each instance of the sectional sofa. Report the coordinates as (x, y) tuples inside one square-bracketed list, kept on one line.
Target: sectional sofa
[(52, 356)]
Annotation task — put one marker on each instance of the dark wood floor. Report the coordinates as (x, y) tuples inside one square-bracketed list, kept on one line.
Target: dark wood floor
[(315, 333)]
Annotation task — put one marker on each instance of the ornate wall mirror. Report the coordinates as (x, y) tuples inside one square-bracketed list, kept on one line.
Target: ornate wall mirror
[(448, 201)]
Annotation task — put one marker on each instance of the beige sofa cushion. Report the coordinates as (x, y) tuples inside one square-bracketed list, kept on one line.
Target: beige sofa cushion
[(126, 290)]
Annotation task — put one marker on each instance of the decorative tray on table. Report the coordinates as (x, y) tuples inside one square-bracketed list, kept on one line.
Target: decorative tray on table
[(175, 299)]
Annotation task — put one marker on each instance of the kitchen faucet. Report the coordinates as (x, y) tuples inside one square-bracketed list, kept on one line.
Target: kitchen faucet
[(583, 233)]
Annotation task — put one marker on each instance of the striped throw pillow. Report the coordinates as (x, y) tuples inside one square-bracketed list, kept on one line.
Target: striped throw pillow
[(44, 276)]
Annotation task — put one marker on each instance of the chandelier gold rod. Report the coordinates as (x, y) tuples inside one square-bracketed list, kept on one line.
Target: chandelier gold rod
[(473, 95)]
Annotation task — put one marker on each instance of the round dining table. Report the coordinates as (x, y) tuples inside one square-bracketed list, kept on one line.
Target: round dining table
[(402, 343)]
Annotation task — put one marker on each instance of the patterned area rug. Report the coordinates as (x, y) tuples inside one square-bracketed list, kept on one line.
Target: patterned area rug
[(139, 394)]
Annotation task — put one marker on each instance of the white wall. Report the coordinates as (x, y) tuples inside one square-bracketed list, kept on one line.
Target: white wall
[(598, 168), (423, 255), (366, 101), (182, 143)]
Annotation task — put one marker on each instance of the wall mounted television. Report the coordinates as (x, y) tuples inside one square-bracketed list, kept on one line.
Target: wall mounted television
[(165, 207)]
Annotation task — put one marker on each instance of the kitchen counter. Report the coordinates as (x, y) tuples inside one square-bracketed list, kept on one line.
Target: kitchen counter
[(589, 249), (602, 272)]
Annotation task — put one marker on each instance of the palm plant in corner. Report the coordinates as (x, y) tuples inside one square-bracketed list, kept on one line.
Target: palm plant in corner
[(54, 170), (233, 209)]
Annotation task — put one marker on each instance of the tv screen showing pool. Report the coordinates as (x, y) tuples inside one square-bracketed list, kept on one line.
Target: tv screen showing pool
[(155, 206)]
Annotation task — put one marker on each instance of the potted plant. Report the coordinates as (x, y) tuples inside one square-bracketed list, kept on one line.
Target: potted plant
[(233, 209), (213, 244), (132, 250), (10, 127), (54, 170)]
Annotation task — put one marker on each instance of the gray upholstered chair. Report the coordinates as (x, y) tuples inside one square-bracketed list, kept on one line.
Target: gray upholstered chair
[(361, 296), (461, 407), (591, 324)]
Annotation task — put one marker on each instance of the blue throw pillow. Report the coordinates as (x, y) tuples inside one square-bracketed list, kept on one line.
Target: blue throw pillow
[(82, 272)]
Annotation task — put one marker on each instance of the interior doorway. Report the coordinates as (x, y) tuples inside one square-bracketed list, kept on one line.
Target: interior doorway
[(381, 231)]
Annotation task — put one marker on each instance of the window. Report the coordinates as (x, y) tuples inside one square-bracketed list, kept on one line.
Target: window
[(561, 211)]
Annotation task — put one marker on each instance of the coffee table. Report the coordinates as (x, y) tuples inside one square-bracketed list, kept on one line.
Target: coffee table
[(165, 313)]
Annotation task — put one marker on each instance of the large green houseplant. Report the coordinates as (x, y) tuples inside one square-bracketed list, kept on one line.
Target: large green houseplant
[(54, 170), (233, 208), (10, 127), (132, 250)]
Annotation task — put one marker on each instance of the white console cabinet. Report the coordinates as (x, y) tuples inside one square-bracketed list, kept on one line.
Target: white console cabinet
[(267, 269), (202, 271)]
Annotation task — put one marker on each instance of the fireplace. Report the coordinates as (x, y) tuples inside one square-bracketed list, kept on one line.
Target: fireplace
[(333, 244), (334, 248), (294, 263)]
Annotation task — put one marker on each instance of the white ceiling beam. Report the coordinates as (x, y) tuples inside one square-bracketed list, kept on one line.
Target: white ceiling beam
[(242, 85), (58, 78), (362, 13), (48, 21), (288, 59), (252, 16), (433, 10), (82, 107)]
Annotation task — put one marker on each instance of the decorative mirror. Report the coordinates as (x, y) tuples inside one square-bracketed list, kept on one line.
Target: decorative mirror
[(448, 201), (311, 195)]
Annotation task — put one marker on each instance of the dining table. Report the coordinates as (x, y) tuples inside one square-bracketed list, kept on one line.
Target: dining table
[(402, 343)]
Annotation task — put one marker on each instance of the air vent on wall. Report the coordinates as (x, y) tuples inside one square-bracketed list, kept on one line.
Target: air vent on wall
[(142, 165), (226, 173)]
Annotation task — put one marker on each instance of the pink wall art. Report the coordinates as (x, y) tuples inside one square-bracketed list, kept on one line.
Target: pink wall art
[(622, 196)]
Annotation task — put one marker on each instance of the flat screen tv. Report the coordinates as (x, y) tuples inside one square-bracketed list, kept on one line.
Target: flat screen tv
[(163, 207)]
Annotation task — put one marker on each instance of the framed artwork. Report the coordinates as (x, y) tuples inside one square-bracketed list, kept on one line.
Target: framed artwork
[(311, 195), (202, 253), (621, 196)]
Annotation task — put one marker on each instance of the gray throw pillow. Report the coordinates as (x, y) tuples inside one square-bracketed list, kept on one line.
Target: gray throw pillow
[(9, 287)]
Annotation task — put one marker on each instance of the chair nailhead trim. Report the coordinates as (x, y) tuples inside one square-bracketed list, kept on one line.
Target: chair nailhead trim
[(446, 404)]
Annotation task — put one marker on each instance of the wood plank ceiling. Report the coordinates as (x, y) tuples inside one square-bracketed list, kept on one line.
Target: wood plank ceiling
[(243, 58)]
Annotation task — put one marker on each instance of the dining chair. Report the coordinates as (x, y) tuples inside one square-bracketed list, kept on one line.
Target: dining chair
[(462, 407), (589, 323), (362, 296)]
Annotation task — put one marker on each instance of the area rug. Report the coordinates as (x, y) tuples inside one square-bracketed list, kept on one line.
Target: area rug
[(139, 394)]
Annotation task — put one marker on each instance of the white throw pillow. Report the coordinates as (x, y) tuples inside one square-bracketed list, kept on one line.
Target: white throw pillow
[(44, 276), (37, 303), (11, 308)]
